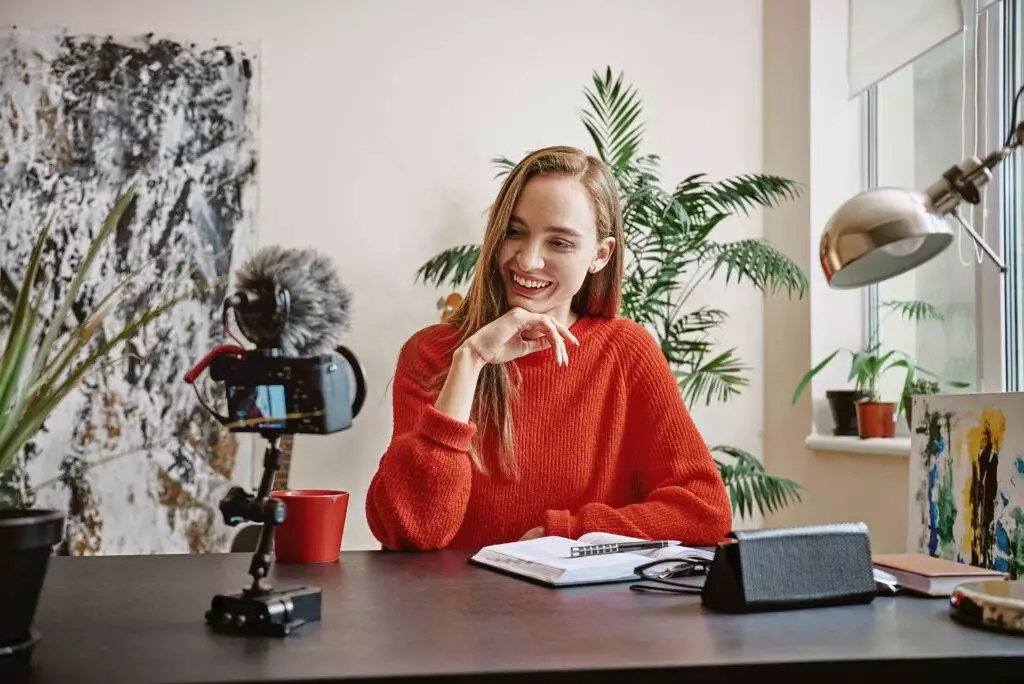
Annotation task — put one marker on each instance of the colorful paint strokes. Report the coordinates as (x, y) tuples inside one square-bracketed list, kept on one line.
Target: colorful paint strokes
[(967, 480), (136, 464)]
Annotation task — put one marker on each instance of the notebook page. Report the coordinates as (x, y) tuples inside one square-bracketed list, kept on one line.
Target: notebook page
[(549, 558)]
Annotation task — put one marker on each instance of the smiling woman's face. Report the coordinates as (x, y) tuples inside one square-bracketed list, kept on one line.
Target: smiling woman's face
[(550, 246)]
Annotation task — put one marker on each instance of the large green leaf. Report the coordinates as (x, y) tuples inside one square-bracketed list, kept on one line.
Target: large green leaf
[(57, 321), (43, 403), (759, 262), (454, 266), (27, 401), (704, 319), (748, 192), (613, 120), (750, 487), (19, 337), (914, 311), (809, 375), (718, 378)]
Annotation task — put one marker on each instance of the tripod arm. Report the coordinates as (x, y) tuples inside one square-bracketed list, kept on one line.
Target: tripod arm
[(238, 506), (258, 609)]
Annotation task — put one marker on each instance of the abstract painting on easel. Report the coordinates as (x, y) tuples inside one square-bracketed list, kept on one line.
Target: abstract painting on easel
[(967, 480), (131, 457)]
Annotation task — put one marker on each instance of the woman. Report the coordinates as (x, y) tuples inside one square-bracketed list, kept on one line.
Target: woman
[(535, 410)]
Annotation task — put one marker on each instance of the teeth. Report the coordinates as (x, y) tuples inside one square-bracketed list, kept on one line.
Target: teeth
[(536, 284)]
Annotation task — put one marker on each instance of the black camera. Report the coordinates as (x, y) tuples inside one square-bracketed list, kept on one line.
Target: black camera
[(272, 393), (292, 307)]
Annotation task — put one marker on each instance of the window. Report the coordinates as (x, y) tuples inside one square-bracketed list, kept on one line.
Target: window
[(921, 121)]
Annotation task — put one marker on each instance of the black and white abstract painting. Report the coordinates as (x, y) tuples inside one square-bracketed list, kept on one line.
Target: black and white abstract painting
[(131, 457)]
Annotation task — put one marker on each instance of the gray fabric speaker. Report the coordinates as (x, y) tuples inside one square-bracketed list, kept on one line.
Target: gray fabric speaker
[(792, 567)]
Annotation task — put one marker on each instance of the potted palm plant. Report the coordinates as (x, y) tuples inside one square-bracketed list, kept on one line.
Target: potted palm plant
[(671, 249), (39, 367)]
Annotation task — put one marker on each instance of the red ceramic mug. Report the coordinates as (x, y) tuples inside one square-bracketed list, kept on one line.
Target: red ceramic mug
[(313, 526)]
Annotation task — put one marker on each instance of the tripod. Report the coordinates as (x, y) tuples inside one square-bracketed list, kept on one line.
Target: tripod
[(259, 609)]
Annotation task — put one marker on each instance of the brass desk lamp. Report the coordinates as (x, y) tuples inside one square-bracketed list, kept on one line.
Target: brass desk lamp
[(883, 232)]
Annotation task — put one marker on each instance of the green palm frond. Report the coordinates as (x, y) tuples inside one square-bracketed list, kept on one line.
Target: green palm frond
[(504, 164), (717, 379), (750, 487), (701, 320), (454, 266), (913, 310), (760, 262), (741, 193), (613, 120)]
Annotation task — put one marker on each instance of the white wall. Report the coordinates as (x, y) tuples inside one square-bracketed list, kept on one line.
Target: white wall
[(379, 118)]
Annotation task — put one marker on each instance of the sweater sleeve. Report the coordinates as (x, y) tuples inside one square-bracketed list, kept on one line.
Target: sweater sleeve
[(681, 491), (418, 496)]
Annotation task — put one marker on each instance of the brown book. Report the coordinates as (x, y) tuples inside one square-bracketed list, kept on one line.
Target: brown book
[(931, 576)]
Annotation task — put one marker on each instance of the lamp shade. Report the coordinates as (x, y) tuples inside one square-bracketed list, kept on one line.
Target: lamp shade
[(881, 233)]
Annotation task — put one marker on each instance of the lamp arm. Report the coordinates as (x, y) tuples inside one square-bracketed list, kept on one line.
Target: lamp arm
[(963, 183), (981, 243)]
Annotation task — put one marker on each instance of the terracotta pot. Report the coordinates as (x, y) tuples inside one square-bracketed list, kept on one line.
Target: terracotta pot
[(876, 419)]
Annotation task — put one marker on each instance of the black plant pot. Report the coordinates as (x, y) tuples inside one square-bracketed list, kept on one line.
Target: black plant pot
[(27, 537), (844, 410)]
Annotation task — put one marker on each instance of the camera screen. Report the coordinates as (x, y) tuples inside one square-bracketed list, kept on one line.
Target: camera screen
[(259, 402)]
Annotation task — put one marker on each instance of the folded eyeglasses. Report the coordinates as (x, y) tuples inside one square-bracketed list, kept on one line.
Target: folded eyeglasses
[(664, 573)]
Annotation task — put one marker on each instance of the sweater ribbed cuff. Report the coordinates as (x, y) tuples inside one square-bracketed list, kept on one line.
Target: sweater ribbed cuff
[(446, 430), (559, 524)]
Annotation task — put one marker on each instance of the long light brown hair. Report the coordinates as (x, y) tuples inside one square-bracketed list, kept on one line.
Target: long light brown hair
[(486, 300)]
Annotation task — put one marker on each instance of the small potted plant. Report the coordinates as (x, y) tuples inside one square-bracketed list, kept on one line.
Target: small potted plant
[(874, 418), (866, 367), (39, 366), (877, 418)]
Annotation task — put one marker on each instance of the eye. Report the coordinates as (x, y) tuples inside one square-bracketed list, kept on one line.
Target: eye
[(562, 244), (513, 231)]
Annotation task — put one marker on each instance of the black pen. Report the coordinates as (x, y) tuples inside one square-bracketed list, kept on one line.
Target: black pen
[(621, 547)]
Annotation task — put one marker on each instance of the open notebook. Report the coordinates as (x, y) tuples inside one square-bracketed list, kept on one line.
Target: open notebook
[(547, 559)]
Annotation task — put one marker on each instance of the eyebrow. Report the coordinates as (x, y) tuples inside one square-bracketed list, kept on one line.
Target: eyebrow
[(554, 229)]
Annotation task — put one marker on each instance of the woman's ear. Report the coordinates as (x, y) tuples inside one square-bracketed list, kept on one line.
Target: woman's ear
[(605, 249)]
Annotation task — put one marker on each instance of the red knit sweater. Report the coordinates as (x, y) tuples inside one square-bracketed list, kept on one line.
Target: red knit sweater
[(604, 444)]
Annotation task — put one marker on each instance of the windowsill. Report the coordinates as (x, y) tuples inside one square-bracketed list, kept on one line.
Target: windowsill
[(896, 446)]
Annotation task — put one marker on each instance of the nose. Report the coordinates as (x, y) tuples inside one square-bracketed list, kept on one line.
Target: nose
[(530, 257)]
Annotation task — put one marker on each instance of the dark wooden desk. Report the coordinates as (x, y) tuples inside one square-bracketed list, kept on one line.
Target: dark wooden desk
[(397, 616)]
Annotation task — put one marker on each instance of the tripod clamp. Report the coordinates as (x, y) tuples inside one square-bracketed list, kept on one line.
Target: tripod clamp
[(259, 609)]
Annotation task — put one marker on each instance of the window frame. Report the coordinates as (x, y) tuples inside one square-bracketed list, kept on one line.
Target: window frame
[(998, 305)]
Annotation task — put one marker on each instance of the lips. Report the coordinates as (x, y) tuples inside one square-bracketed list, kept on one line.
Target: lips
[(527, 286)]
